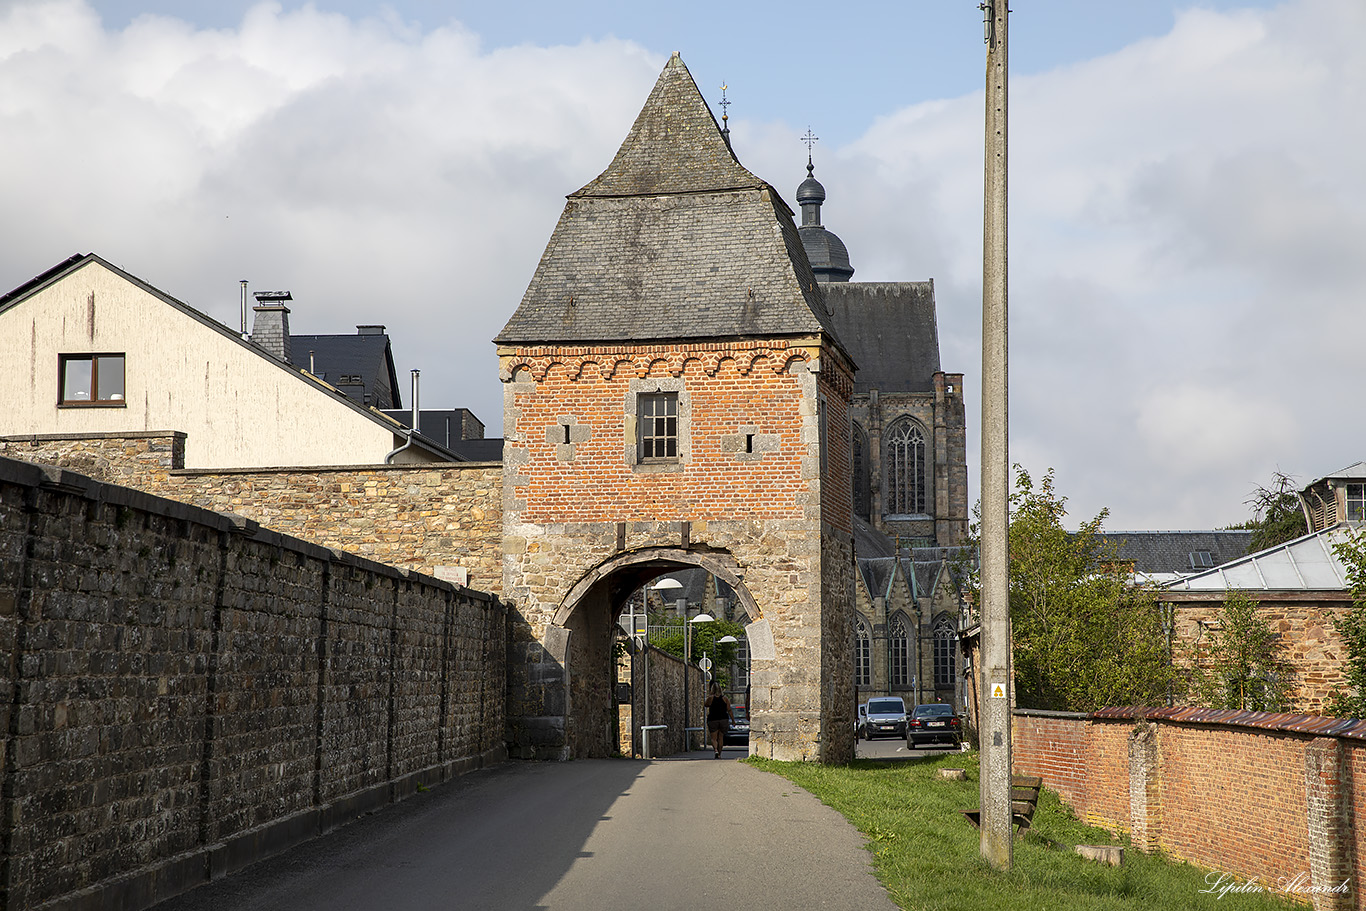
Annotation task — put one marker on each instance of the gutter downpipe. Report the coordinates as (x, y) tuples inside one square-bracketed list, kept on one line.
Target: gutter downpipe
[(389, 459)]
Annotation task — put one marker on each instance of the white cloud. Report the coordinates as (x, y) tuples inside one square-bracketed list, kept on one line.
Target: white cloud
[(1187, 249)]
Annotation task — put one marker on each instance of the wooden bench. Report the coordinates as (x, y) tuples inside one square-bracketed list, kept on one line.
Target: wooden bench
[(1024, 799)]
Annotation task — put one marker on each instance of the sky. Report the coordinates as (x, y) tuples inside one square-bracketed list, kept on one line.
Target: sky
[(1187, 238)]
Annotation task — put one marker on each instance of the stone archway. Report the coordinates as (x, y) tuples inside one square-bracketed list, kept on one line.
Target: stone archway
[(585, 623)]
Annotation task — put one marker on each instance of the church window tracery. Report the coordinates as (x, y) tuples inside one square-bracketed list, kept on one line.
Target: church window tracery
[(862, 498), (899, 653), (907, 486), (945, 653), (863, 655)]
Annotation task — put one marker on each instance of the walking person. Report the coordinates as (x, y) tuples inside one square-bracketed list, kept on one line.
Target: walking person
[(719, 718)]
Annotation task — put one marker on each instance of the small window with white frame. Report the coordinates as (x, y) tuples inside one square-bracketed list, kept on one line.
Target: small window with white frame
[(90, 379), (658, 414), (1356, 502)]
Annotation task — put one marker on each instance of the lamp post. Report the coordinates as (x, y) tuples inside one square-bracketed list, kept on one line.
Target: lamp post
[(703, 617)]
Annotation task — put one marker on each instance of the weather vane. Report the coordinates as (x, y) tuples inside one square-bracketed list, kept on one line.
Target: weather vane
[(725, 127), (810, 139)]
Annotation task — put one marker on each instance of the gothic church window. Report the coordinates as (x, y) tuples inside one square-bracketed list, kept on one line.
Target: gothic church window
[(863, 655), (899, 653), (862, 499), (907, 486), (945, 653)]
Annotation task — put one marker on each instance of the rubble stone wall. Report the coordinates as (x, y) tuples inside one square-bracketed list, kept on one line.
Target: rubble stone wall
[(183, 692)]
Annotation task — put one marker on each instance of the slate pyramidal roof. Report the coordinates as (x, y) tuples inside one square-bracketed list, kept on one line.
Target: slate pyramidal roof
[(675, 240)]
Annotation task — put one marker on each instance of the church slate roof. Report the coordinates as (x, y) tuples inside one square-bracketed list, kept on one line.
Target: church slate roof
[(675, 240), (889, 329), (1172, 551)]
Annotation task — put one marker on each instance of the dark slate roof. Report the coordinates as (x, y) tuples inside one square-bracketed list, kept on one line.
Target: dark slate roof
[(674, 240), (338, 357), (869, 542), (674, 146), (877, 574), (828, 255), (485, 449), (1170, 551), (889, 329)]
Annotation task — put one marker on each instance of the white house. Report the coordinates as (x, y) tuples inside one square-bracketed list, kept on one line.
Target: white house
[(88, 348)]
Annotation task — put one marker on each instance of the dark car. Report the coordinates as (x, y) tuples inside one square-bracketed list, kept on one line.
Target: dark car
[(886, 718), (738, 732), (935, 723)]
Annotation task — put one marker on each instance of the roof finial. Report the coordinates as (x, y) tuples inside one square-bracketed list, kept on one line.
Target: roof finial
[(810, 139), (725, 127)]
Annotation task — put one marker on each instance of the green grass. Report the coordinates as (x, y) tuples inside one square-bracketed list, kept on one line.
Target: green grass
[(928, 856)]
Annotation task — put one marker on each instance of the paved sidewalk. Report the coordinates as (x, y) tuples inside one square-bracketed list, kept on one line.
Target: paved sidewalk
[(689, 832)]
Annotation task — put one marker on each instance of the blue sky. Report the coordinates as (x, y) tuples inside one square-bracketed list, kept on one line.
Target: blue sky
[(1188, 243)]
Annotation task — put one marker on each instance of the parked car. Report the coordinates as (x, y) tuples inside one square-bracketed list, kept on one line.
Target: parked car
[(886, 717), (934, 723), (861, 723), (738, 732)]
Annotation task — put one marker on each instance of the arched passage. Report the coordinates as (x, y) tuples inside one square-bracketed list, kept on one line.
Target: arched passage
[(587, 616)]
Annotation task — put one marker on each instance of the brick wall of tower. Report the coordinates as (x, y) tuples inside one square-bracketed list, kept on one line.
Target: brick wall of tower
[(748, 485)]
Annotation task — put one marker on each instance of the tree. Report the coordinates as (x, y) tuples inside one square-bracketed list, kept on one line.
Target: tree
[(1084, 636), (669, 637), (1351, 703), (1242, 665), (1276, 513)]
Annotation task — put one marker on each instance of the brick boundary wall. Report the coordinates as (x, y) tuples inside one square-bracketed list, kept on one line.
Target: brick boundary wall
[(1252, 795), (183, 693), (419, 517)]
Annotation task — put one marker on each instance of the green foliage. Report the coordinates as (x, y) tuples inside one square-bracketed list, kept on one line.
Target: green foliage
[(704, 636), (1351, 703), (1241, 664), (1276, 513), (1084, 636)]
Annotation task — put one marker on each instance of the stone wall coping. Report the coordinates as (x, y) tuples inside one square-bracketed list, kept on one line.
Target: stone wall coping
[(318, 469), (1292, 596), (45, 477), (1314, 725), (102, 435)]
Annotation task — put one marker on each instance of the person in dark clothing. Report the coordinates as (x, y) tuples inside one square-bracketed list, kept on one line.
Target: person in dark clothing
[(719, 718)]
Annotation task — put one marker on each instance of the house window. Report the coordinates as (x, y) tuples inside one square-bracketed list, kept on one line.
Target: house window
[(863, 655), (899, 654), (945, 652), (90, 379), (906, 486), (658, 427), (1356, 502)]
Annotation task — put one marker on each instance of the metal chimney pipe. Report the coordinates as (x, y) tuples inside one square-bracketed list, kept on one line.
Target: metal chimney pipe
[(416, 412), (244, 308)]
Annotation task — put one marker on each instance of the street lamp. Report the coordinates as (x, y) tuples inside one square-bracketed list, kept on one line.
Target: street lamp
[(703, 617)]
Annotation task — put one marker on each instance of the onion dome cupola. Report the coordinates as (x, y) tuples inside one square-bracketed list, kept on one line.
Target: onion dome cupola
[(827, 253)]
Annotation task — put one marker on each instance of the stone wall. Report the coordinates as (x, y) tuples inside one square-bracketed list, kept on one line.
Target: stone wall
[(183, 692), (750, 498), (1304, 623), (440, 519), (666, 705), (1255, 796)]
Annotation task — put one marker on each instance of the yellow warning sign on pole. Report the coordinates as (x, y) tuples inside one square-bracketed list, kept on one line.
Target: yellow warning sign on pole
[(998, 691)]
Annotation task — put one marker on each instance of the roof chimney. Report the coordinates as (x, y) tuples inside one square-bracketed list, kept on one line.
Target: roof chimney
[(270, 329)]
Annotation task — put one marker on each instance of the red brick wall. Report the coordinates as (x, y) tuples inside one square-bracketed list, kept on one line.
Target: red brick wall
[(599, 484), (1231, 793)]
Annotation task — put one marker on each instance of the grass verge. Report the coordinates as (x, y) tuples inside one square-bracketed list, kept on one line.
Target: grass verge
[(928, 856)]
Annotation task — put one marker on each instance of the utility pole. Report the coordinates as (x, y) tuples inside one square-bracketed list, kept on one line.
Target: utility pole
[(997, 831)]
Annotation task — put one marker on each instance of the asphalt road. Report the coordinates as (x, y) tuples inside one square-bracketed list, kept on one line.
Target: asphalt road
[(592, 835)]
